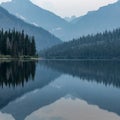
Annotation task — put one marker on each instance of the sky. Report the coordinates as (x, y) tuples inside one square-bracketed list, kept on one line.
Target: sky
[(67, 8)]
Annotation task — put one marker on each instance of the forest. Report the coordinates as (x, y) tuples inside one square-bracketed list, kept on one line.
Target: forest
[(16, 44), (104, 45)]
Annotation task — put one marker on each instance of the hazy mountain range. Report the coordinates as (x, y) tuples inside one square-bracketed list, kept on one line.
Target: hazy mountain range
[(107, 17), (33, 14), (43, 38)]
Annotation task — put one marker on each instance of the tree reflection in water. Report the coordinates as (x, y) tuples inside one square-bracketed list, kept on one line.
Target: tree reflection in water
[(16, 73), (105, 72)]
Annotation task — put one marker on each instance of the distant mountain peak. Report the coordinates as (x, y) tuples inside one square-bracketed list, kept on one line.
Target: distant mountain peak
[(35, 14), (69, 19)]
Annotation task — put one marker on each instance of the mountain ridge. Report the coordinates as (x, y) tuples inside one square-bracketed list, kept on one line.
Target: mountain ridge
[(43, 38), (105, 18), (91, 23), (37, 15)]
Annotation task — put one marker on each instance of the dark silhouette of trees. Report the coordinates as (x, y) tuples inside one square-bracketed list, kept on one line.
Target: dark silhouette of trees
[(16, 44), (16, 73), (100, 46)]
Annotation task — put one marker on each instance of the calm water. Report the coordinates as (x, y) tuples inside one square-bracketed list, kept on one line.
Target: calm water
[(60, 90)]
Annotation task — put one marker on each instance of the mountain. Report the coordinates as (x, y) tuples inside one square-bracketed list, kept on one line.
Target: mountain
[(106, 18), (43, 38), (33, 14), (69, 19)]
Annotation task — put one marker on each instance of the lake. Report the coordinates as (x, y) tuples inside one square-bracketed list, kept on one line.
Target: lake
[(60, 90)]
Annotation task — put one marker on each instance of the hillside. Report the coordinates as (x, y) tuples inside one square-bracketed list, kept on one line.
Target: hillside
[(100, 46), (43, 39)]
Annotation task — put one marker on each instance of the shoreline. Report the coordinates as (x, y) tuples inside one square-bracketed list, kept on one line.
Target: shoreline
[(43, 59), (80, 59), (19, 58)]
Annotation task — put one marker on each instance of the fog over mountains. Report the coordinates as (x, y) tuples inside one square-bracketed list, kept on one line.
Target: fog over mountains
[(43, 38), (106, 18)]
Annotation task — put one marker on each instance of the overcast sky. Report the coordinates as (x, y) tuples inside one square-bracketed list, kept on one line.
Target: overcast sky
[(71, 7)]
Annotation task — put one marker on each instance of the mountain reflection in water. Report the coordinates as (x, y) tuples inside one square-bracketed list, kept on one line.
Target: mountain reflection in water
[(48, 82)]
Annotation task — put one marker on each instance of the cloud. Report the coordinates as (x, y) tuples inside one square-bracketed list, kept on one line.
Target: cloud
[(71, 7)]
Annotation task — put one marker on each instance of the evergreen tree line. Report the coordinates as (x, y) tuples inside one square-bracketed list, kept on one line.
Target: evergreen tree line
[(16, 43), (104, 45)]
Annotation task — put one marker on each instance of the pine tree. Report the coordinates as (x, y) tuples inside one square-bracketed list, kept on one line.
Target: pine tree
[(16, 43)]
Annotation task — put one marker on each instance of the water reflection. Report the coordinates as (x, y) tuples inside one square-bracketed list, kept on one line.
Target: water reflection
[(16, 73), (106, 72), (89, 84), (9, 94), (106, 98), (71, 109), (4, 116)]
